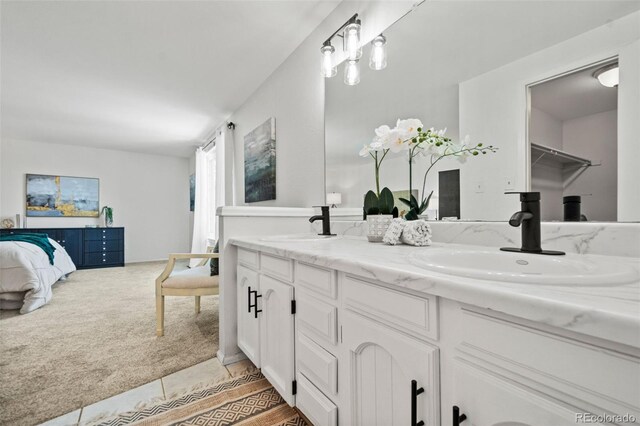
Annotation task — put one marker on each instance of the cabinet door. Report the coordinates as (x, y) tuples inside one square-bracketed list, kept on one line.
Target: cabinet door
[(381, 365), (248, 324), (71, 240), (276, 336), (488, 400)]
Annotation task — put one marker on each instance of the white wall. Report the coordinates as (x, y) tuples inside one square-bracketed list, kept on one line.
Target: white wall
[(294, 95), (594, 137), (493, 105), (149, 193)]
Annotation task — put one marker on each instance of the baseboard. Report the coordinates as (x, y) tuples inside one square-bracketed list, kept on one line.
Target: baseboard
[(230, 359)]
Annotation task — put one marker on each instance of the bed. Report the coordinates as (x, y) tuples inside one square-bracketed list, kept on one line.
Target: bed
[(27, 275)]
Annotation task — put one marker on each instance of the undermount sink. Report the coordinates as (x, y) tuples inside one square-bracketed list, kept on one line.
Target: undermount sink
[(526, 268), (298, 238)]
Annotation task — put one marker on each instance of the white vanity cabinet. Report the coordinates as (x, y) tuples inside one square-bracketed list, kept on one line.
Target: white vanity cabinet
[(350, 350), (265, 318)]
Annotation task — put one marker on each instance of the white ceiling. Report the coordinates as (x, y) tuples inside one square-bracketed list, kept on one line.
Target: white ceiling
[(574, 95), (140, 75)]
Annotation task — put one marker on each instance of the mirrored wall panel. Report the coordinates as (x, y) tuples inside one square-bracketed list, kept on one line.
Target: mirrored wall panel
[(497, 87)]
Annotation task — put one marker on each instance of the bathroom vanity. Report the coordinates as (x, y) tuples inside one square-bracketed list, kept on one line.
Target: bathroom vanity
[(354, 333)]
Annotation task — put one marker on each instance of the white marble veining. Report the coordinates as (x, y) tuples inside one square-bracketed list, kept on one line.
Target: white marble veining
[(613, 239), (610, 312)]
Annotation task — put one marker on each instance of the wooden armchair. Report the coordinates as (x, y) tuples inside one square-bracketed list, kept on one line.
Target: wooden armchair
[(190, 282)]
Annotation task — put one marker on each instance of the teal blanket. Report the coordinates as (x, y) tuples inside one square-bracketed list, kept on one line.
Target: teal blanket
[(40, 240)]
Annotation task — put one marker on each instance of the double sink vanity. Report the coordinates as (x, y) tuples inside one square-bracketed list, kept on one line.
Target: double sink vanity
[(356, 333)]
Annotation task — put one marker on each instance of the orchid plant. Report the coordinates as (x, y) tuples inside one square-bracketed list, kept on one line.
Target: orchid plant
[(410, 136)]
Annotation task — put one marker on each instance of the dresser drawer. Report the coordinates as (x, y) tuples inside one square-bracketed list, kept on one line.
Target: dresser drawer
[(416, 315), (313, 404), (94, 246), (317, 318), (603, 377), (277, 267), (107, 258), (103, 234), (318, 280), (317, 364), (248, 258)]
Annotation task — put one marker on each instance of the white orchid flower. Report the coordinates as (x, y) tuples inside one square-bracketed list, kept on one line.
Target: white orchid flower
[(409, 127), (364, 152), (395, 141), (383, 131)]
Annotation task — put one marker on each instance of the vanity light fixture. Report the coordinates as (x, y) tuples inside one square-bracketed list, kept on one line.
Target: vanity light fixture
[(609, 75), (329, 69), (352, 48), (351, 39), (378, 58), (352, 72)]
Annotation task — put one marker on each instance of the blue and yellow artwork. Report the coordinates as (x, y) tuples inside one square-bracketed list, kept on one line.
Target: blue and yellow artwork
[(62, 196), (260, 163)]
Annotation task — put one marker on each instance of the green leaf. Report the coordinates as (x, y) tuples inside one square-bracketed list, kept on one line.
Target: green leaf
[(385, 203), (411, 215), (370, 202), (407, 202)]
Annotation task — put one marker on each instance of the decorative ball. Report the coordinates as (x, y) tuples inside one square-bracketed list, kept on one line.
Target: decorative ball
[(7, 223)]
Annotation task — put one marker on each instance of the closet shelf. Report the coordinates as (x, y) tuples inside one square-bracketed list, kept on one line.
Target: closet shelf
[(557, 156)]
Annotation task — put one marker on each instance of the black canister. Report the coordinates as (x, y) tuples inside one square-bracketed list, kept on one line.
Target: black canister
[(571, 208)]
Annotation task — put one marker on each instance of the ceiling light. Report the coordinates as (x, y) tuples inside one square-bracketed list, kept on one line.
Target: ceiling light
[(351, 37), (378, 58), (328, 68), (609, 75), (352, 72)]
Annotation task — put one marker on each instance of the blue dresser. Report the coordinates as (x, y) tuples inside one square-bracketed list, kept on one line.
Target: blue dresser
[(87, 247)]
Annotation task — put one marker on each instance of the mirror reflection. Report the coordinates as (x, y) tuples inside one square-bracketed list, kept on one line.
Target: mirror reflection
[(493, 73)]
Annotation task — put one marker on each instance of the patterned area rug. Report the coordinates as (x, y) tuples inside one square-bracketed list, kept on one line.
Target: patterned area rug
[(248, 400)]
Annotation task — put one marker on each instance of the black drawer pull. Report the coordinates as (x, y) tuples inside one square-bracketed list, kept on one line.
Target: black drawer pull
[(457, 417), (249, 306), (415, 391)]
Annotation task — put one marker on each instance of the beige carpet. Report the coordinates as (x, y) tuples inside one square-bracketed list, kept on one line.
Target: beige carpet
[(96, 339)]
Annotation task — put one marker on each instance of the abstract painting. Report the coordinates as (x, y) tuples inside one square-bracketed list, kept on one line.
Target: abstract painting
[(260, 163), (192, 192), (62, 196)]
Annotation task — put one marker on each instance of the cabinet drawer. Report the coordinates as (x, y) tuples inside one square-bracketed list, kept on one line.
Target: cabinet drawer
[(248, 258), (594, 374), (317, 364), (317, 318), (277, 267), (403, 311), (313, 404), (103, 234), (95, 246), (318, 280), (108, 258)]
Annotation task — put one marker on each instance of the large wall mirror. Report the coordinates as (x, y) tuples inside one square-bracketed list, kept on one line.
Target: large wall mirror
[(521, 76)]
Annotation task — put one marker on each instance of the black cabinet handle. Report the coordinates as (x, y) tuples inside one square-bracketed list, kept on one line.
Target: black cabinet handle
[(255, 304), (457, 417), (249, 297), (415, 391)]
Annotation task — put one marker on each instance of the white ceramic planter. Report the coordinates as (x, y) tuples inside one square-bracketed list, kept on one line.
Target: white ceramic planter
[(377, 226)]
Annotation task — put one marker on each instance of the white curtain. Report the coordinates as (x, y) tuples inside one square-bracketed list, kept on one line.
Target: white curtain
[(201, 214)]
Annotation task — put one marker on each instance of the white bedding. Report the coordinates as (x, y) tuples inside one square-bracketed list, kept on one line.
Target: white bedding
[(26, 276)]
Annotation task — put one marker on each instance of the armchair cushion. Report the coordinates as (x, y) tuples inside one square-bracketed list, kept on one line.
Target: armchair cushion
[(198, 277)]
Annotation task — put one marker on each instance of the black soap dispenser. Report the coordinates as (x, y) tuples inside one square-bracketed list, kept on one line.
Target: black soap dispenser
[(572, 208)]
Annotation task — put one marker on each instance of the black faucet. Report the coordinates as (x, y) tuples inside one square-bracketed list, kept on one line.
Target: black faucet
[(326, 220), (529, 219)]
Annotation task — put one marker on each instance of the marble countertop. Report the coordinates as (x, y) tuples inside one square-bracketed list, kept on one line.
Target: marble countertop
[(610, 312)]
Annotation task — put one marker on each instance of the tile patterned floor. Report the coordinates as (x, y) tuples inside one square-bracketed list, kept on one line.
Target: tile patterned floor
[(190, 379)]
